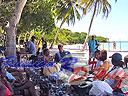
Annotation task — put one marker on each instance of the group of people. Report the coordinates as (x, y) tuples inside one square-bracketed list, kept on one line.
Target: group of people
[(31, 48), (111, 72), (23, 83)]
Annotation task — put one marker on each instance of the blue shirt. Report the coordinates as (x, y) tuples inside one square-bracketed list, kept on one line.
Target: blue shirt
[(92, 45), (60, 55), (31, 47)]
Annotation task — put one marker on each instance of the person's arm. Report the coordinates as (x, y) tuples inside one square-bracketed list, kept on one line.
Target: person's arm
[(97, 44), (69, 54), (56, 58), (89, 44)]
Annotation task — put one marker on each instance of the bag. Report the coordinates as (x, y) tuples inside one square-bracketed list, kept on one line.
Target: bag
[(101, 88)]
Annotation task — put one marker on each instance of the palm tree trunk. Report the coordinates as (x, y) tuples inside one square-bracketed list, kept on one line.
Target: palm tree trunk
[(89, 29), (11, 29), (51, 46)]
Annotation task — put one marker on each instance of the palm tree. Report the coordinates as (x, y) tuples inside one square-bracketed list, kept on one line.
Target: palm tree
[(66, 11), (97, 6)]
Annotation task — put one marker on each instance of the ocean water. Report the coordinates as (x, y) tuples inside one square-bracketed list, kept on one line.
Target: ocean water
[(115, 46)]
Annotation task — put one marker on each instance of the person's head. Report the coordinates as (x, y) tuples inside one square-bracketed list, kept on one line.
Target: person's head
[(33, 38), (97, 54), (93, 37), (46, 52), (103, 55), (44, 46), (60, 47), (42, 39), (117, 59)]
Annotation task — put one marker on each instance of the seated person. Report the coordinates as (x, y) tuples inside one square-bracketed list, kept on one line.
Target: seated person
[(6, 78), (61, 54), (22, 83), (16, 82), (31, 48), (117, 73), (102, 64), (49, 65)]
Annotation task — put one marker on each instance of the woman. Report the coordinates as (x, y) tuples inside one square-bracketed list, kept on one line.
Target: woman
[(117, 73), (102, 65), (49, 65)]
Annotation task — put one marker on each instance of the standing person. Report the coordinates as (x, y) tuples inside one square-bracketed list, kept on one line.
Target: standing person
[(126, 61), (61, 54), (93, 47), (41, 46), (114, 45), (44, 43)]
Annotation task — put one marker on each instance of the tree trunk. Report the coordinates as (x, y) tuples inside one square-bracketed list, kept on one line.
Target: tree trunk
[(0, 1), (89, 29), (11, 28), (51, 46)]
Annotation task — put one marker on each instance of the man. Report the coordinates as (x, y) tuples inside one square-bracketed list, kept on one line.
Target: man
[(93, 47), (61, 54), (31, 46), (65, 58), (44, 43)]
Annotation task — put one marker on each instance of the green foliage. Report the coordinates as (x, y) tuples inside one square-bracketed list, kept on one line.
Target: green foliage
[(66, 36), (6, 9), (38, 17), (66, 11), (37, 14), (102, 39)]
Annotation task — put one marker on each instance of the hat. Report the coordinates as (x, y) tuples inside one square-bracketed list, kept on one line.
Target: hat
[(116, 57)]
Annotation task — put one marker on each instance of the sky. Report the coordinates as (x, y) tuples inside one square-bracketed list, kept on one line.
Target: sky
[(115, 27)]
